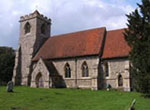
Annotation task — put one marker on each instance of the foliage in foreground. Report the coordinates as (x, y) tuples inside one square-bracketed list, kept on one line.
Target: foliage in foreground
[(25, 98), (138, 37), (7, 57)]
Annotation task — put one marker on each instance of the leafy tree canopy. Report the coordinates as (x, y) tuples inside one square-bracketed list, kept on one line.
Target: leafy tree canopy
[(7, 56)]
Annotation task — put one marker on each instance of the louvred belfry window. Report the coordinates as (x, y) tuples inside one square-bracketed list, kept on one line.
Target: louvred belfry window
[(27, 28)]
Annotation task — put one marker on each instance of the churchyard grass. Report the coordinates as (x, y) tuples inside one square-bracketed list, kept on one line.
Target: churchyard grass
[(26, 98)]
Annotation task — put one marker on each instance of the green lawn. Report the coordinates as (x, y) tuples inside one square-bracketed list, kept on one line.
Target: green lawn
[(25, 98)]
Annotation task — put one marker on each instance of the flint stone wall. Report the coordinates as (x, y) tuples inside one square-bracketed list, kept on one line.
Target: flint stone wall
[(118, 67), (76, 80)]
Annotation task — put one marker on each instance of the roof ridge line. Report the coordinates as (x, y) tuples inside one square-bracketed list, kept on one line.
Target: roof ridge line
[(58, 35), (116, 29)]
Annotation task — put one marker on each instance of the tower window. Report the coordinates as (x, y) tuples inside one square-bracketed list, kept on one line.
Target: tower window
[(43, 29), (85, 71), (67, 71), (27, 28)]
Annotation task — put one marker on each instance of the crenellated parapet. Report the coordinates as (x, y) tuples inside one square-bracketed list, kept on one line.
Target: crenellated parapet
[(35, 14)]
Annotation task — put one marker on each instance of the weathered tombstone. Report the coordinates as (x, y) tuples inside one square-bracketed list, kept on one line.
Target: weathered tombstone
[(108, 87), (132, 105), (10, 86)]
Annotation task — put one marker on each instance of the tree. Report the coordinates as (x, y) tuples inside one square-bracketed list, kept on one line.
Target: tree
[(7, 57), (138, 37)]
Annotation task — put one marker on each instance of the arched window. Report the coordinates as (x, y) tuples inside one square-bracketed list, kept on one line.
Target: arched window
[(120, 80), (27, 28), (43, 29), (106, 69), (85, 71), (67, 71)]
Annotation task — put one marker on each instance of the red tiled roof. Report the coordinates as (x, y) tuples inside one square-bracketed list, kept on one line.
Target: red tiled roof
[(115, 45), (81, 43)]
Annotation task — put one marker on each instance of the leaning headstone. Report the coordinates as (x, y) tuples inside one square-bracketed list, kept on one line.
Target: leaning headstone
[(10, 86), (132, 105)]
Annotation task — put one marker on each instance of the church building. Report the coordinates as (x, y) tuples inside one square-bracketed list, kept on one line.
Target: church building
[(89, 59)]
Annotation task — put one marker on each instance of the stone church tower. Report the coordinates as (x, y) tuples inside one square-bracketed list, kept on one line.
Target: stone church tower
[(34, 31)]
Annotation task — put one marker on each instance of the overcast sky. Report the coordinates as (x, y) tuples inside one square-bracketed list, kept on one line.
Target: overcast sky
[(67, 15)]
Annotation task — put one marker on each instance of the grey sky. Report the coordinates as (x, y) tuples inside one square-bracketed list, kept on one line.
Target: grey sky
[(67, 15)]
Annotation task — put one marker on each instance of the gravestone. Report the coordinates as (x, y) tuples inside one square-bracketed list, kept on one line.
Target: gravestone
[(10, 86), (132, 105), (108, 86)]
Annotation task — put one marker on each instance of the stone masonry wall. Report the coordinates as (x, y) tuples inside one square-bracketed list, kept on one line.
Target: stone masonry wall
[(76, 80), (118, 67)]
